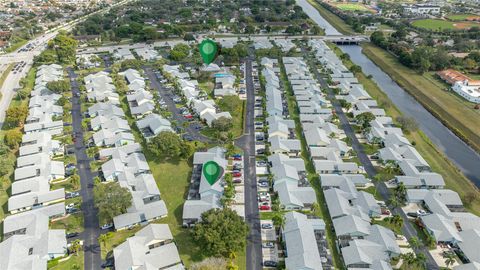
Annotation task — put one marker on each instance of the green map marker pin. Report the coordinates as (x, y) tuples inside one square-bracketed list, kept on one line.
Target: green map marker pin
[(212, 172), (208, 51)]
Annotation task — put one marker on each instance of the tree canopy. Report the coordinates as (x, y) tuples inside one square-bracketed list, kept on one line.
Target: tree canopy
[(221, 232), (111, 199), (169, 145), (59, 86)]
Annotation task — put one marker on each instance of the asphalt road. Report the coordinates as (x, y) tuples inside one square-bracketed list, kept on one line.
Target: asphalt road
[(407, 229), (247, 143), (166, 94), (91, 247)]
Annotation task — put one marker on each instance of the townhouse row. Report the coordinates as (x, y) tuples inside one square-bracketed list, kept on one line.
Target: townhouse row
[(204, 108), (123, 159), (442, 212), (349, 208), (28, 241)]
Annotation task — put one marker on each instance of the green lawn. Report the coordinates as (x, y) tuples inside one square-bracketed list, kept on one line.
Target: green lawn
[(67, 264), (439, 163), (71, 223), (437, 24), (351, 7), (16, 45), (4, 75), (395, 228), (333, 19), (455, 112), (373, 190)]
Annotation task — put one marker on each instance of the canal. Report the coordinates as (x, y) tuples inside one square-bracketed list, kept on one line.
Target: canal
[(462, 155)]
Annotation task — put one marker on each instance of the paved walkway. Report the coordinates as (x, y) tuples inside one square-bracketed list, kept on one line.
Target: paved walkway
[(407, 229)]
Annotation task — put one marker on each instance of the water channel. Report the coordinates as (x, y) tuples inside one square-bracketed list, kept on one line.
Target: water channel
[(462, 155)]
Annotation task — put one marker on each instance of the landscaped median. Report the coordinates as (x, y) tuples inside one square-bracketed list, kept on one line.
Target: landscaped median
[(449, 108), (439, 163)]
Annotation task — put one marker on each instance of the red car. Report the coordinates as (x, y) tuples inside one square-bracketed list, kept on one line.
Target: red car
[(237, 174), (264, 207), (188, 116)]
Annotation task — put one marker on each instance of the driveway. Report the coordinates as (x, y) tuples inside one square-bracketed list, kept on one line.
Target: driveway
[(247, 143), (92, 230), (407, 228), (166, 94)]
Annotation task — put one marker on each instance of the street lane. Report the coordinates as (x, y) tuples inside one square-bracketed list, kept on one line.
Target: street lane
[(247, 143), (92, 259)]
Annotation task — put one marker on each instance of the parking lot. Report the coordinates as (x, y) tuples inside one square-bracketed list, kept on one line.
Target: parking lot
[(269, 243)]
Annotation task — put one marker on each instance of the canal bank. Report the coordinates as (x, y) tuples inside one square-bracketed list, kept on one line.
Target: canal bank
[(458, 152)]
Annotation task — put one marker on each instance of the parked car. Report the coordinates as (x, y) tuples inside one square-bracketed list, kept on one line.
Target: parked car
[(261, 163), (263, 184), (237, 180), (421, 212), (267, 226), (72, 210), (261, 151), (106, 226), (268, 245), (237, 166), (71, 235), (264, 207), (70, 205), (237, 174), (412, 214), (269, 264)]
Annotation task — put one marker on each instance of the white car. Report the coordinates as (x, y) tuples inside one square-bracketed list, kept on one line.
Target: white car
[(70, 205)]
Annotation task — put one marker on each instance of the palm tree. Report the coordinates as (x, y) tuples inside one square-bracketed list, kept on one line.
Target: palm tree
[(315, 207), (397, 220), (75, 179), (408, 258), (75, 246), (414, 242), (450, 259), (393, 202), (103, 238), (421, 259)]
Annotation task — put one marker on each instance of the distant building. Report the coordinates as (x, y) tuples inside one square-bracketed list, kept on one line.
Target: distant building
[(422, 9), (462, 84)]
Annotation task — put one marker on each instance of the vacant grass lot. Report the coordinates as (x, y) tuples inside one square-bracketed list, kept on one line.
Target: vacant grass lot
[(457, 114), (333, 19), (454, 179), (437, 24)]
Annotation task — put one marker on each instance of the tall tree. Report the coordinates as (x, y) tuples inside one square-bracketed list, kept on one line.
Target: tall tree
[(221, 232), (111, 199)]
